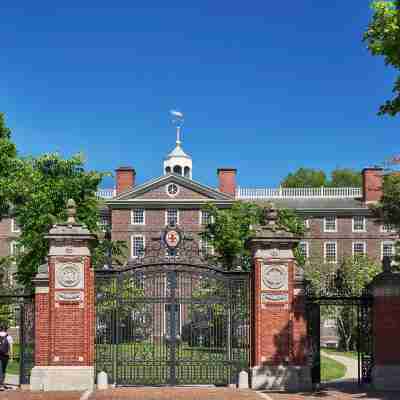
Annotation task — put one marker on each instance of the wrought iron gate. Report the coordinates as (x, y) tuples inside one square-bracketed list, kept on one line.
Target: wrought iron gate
[(359, 308), (172, 324), (17, 312)]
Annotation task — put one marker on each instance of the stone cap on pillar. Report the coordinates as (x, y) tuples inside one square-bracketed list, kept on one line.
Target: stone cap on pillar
[(387, 280), (71, 229), (42, 277), (270, 232)]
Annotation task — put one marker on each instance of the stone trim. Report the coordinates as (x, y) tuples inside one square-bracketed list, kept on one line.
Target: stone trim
[(42, 289)]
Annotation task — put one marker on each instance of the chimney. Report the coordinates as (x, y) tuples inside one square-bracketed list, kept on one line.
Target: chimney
[(125, 179), (372, 184), (227, 180)]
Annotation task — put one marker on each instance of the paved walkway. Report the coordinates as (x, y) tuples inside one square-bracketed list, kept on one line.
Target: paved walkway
[(351, 365)]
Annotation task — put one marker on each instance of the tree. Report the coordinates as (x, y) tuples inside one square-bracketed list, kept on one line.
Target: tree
[(305, 177), (8, 165), (345, 177), (350, 279), (229, 229), (383, 39)]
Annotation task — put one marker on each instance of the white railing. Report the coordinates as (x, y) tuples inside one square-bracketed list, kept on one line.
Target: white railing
[(298, 193), (106, 193)]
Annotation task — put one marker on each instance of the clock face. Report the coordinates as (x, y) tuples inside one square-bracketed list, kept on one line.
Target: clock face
[(172, 189)]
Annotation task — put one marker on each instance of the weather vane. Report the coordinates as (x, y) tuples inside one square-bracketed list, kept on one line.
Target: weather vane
[(178, 121)]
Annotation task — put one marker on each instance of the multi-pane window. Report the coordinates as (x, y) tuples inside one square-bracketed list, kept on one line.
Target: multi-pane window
[(137, 216), (14, 226), (330, 252), (387, 228), (330, 223), (104, 223), (205, 218), (206, 248), (303, 248), (359, 223), (306, 223), (359, 248), (138, 246), (172, 216), (15, 248), (387, 249)]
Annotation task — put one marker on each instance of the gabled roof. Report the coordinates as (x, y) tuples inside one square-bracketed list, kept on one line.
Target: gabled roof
[(211, 193)]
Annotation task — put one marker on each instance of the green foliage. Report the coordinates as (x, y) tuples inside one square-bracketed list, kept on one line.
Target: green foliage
[(383, 39), (331, 369), (117, 248), (308, 177), (345, 177), (231, 228), (305, 177), (228, 232), (42, 187)]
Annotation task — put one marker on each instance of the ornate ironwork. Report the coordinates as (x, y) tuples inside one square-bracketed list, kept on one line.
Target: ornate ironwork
[(171, 319), (358, 306), (17, 312)]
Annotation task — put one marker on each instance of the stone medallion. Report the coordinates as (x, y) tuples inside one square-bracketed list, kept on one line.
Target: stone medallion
[(69, 276), (172, 238), (274, 277)]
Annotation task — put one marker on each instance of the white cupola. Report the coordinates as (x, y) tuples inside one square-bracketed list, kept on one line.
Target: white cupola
[(178, 162)]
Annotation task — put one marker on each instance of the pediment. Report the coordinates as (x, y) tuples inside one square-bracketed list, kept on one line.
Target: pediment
[(188, 189)]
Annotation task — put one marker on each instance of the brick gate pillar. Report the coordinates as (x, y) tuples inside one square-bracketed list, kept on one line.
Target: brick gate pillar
[(279, 359), (386, 329), (64, 301)]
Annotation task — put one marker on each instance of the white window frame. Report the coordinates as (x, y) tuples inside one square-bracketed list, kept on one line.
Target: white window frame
[(201, 213), (133, 213), (329, 323), (336, 224), (210, 247), (14, 225), (132, 241), (359, 242), (307, 223), (307, 248), (364, 228), (336, 252), (166, 215), (388, 229), (12, 243), (392, 242)]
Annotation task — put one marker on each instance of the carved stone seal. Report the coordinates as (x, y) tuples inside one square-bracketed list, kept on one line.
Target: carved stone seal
[(69, 275), (274, 277)]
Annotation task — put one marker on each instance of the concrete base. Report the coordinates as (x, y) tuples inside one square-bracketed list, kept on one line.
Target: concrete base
[(386, 377), (281, 377), (62, 378)]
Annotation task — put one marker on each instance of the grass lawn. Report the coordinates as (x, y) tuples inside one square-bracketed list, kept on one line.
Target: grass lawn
[(350, 354), (331, 369)]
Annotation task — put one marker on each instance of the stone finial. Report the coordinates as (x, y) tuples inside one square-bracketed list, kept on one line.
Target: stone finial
[(270, 216), (71, 211), (387, 264)]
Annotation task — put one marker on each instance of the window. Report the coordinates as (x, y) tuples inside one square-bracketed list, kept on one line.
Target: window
[(14, 226), (172, 216), (359, 223), (138, 243), (329, 323), (330, 224), (359, 248), (205, 218), (303, 248), (104, 222), (206, 248), (306, 223), (137, 216), (15, 248), (330, 252), (387, 228), (387, 249)]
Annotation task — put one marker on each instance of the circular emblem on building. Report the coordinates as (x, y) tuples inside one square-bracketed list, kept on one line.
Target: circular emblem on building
[(69, 275), (172, 189), (274, 277), (172, 238)]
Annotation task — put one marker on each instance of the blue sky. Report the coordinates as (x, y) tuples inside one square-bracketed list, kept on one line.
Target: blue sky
[(265, 86)]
